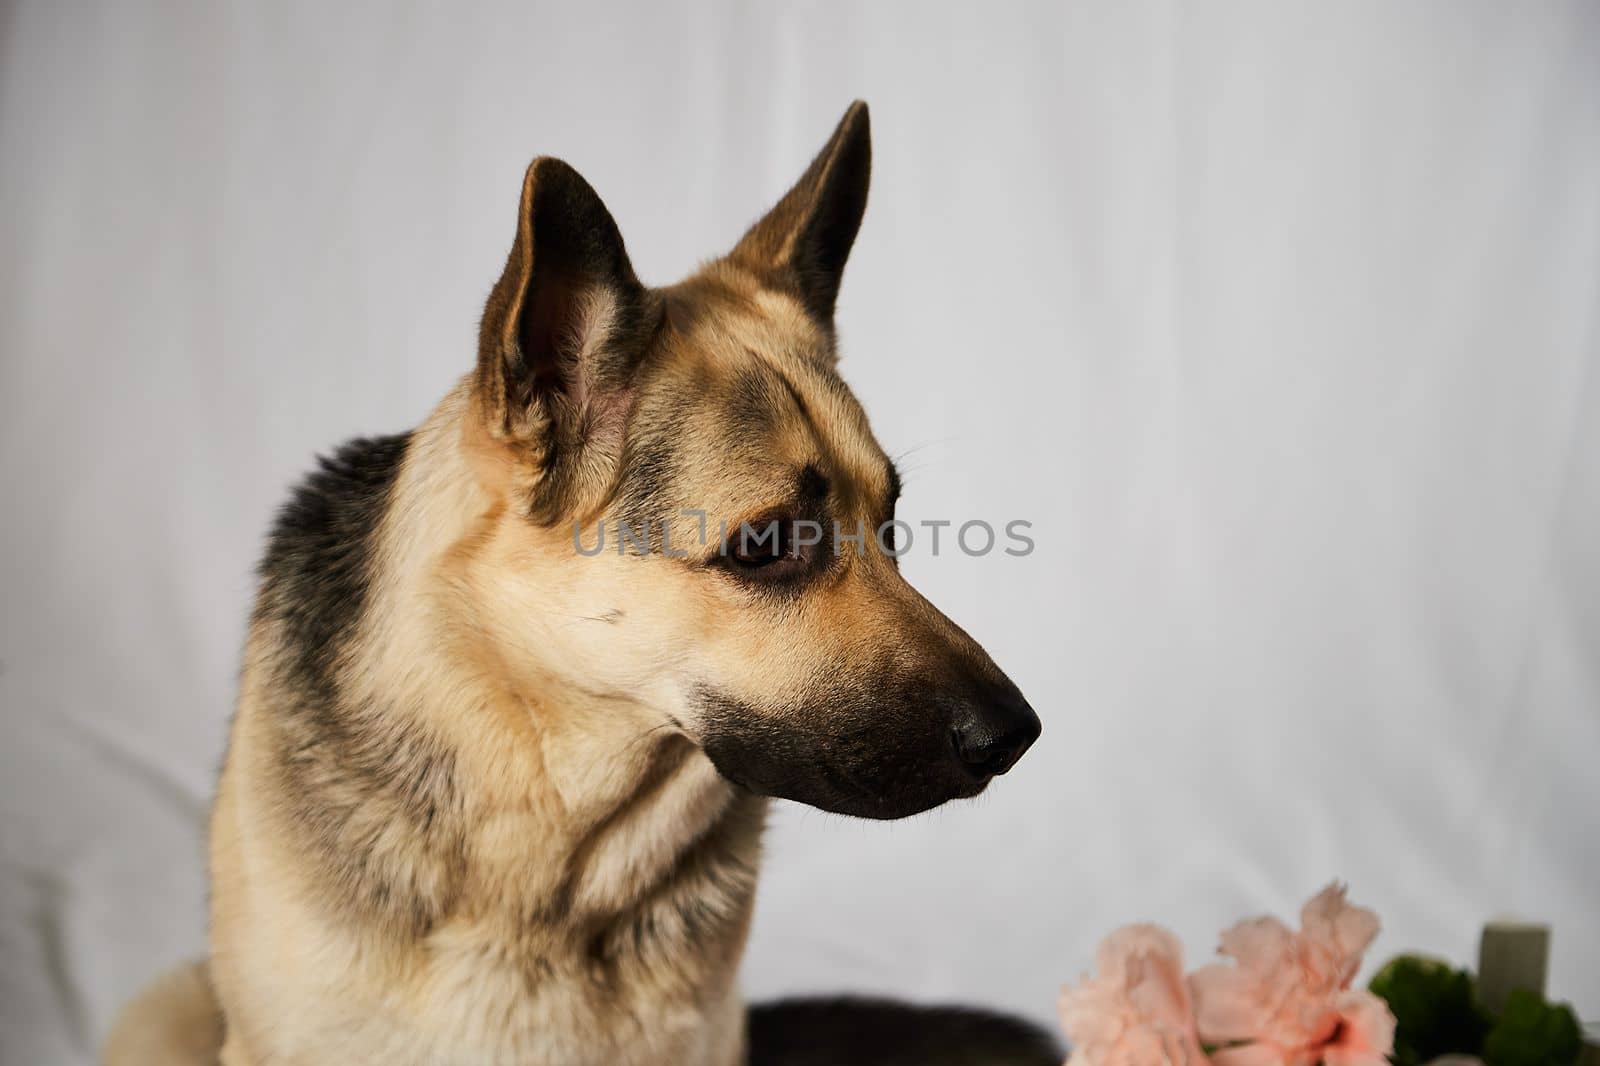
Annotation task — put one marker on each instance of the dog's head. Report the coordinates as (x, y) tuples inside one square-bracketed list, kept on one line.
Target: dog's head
[(703, 429)]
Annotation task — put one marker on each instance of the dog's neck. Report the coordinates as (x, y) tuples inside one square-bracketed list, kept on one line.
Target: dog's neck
[(564, 827)]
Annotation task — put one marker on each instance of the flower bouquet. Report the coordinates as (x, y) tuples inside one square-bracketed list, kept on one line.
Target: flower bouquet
[(1287, 998)]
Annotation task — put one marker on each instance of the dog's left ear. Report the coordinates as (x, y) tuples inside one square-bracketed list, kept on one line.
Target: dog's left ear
[(562, 333), (803, 242)]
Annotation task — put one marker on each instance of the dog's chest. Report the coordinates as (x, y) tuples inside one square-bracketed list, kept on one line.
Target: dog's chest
[(714, 1038), (476, 1005), (478, 994), (538, 978), (498, 1025)]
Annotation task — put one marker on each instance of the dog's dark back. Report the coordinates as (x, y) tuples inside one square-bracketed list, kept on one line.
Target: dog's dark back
[(855, 1031)]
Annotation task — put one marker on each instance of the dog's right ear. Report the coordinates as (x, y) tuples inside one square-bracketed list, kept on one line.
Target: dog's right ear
[(562, 333), (803, 242)]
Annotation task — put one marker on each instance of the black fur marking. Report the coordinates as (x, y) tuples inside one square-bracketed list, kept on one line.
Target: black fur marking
[(315, 573), (352, 774), (858, 1031), (812, 486), (649, 466)]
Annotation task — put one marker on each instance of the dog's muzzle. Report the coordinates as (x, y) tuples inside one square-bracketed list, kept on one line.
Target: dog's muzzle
[(887, 754)]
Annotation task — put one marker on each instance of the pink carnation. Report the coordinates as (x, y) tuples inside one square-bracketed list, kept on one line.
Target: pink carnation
[(1137, 1011), (1288, 1001)]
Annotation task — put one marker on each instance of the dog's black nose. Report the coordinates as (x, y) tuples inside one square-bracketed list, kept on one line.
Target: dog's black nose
[(991, 732)]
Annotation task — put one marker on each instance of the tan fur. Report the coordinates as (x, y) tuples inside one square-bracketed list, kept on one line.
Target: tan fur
[(174, 1021)]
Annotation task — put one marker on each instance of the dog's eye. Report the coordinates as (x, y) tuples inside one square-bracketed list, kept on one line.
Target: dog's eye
[(770, 547), (759, 544)]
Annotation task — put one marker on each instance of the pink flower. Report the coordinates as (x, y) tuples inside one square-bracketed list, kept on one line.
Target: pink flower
[(1288, 1001), (1137, 1011)]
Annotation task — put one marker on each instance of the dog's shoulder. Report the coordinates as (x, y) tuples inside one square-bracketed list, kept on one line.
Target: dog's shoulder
[(320, 553), (329, 520), (371, 797)]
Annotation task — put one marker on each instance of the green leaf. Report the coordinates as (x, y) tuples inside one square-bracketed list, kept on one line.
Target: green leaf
[(1435, 1007), (1531, 1032)]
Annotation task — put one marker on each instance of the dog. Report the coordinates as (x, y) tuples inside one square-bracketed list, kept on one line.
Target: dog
[(492, 796)]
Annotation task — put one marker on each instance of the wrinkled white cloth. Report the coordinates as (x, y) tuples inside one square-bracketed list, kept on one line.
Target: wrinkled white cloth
[(1277, 320)]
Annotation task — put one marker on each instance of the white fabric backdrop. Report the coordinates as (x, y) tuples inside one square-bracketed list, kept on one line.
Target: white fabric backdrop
[(1278, 320)]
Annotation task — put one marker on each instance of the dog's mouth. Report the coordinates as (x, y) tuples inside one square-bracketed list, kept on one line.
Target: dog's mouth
[(832, 788)]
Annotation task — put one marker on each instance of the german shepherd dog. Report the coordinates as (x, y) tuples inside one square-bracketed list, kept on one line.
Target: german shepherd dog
[(491, 798)]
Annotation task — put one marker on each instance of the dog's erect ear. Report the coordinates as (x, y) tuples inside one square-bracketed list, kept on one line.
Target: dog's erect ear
[(803, 242), (564, 327)]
